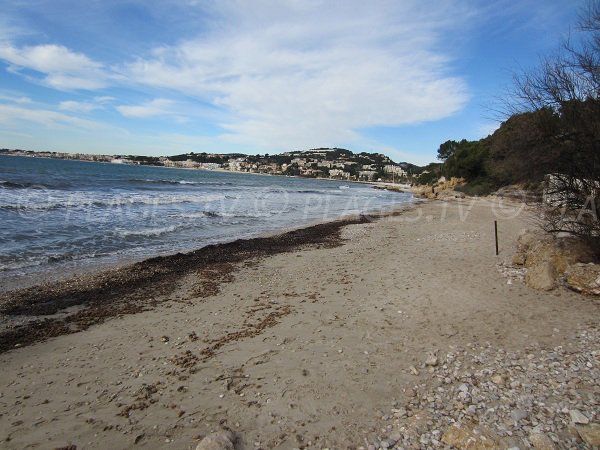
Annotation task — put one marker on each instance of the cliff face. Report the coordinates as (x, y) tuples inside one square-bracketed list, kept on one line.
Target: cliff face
[(441, 189)]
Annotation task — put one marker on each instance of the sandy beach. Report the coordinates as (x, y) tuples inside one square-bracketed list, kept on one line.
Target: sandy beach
[(312, 340)]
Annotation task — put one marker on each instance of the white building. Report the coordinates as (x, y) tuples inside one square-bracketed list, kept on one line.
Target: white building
[(396, 170), (368, 174)]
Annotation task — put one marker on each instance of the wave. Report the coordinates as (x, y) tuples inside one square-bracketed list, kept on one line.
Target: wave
[(315, 191), (70, 202), (30, 185), (147, 232), (231, 215), (24, 185), (181, 182)]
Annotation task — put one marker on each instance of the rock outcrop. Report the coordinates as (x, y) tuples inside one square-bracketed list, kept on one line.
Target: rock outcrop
[(542, 276), (552, 261), (442, 189), (584, 278)]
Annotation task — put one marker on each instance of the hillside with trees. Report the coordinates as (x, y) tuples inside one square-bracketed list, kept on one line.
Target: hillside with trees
[(550, 139)]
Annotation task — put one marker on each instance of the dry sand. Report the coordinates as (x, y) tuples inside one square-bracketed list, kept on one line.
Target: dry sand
[(299, 349)]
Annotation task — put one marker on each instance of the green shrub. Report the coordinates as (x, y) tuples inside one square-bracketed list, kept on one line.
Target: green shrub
[(477, 188)]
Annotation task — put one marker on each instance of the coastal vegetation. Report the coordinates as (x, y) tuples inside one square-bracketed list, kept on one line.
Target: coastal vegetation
[(550, 139)]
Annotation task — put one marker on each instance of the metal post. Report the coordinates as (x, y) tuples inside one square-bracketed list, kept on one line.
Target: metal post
[(496, 234)]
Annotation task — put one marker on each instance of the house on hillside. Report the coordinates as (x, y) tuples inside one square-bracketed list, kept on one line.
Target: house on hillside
[(366, 175), (395, 170)]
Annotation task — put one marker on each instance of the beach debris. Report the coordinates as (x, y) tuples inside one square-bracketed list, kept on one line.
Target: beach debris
[(144, 285), (222, 440), (165, 339)]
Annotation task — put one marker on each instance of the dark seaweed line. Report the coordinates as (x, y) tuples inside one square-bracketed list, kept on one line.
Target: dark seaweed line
[(140, 286)]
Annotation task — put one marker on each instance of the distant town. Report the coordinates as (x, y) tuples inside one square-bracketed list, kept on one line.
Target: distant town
[(333, 163)]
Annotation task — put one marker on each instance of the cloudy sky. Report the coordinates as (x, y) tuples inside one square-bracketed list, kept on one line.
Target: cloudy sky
[(257, 76)]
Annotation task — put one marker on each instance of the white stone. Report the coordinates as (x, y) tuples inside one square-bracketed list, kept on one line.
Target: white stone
[(578, 417)]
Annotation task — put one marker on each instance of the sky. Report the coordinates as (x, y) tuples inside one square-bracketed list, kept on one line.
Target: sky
[(167, 77)]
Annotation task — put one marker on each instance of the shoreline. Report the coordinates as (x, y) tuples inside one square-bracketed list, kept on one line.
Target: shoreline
[(90, 267), (102, 292)]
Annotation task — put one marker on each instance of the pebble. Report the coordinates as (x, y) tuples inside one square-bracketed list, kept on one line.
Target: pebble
[(578, 417), (431, 360), (518, 414)]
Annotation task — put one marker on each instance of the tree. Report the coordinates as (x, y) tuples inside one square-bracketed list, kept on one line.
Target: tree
[(447, 149), (567, 86), (467, 160), (522, 150)]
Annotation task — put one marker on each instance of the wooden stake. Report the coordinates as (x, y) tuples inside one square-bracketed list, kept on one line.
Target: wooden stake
[(496, 234)]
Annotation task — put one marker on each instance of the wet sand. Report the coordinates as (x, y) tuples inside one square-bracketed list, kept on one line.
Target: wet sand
[(296, 340)]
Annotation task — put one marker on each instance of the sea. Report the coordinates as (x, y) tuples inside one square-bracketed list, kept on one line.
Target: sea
[(65, 216)]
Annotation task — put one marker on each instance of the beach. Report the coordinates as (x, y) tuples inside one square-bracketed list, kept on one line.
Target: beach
[(317, 338)]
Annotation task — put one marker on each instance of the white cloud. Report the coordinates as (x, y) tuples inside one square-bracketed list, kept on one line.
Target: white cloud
[(313, 73), (104, 99), (64, 69), (279, 75), (51, 119), (153, 108), (20, 99), (83, 107)]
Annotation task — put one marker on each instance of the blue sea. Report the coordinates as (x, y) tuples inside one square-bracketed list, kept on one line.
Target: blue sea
[(63, 216)]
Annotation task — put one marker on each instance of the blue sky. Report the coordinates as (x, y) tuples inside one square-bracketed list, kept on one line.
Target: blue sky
[(166, 77)]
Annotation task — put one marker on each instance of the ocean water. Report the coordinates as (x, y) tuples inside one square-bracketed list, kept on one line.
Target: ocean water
[(58, 216)]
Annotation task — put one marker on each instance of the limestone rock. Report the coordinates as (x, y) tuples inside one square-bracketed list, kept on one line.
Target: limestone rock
[(467, 437), (518, 259), (518, 414), (217, 441), (540, 441), (590, 434), (497, 379), (578, 417), (542, 276), (560, 252), (527, 237), (584, 278)]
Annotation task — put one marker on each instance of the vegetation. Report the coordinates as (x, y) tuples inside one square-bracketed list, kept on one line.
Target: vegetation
[(551, 136)]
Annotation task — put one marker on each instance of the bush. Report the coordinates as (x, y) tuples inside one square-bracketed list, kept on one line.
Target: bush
[(477, 188), (427, 178)]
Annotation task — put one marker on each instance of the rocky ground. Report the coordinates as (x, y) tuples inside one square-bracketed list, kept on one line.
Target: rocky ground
[(484, 397)]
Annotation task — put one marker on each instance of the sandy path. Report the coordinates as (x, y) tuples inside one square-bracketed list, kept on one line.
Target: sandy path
[(301, 350)]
